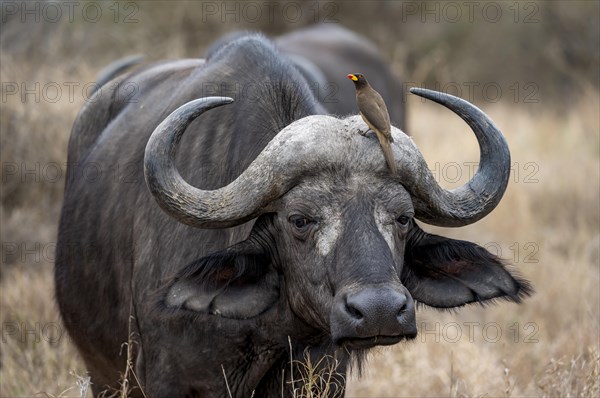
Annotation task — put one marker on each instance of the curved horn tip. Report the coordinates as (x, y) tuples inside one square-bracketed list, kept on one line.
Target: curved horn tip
[(198, 106), (220, 100), (226, 100), (223, 100), (418, 90), (432, 94)]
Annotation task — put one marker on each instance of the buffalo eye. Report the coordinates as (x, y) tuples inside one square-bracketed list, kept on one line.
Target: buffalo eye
[(302, 226), (300, 222), (403, 220)]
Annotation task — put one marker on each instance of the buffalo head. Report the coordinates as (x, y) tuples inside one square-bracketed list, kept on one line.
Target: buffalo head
[(336, 235)]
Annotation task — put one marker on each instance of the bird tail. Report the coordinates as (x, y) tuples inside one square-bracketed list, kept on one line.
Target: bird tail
[(386, 146)]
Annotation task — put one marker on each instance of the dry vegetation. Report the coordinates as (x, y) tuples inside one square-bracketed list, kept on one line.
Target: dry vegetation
[(547, 225)]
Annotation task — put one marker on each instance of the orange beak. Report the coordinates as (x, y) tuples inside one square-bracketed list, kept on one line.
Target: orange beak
[(352, 77)]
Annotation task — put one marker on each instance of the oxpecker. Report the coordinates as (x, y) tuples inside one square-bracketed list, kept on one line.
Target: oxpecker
[(375, 114)]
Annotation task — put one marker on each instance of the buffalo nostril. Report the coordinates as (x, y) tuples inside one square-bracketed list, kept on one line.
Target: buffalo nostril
[(403, 308), (353, 311)]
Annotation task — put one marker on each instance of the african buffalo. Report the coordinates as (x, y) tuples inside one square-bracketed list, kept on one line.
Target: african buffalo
[(323, 54), (269, 231)]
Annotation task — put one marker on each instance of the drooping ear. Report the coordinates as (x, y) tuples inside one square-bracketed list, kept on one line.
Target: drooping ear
[(237, 283), (443, 272)]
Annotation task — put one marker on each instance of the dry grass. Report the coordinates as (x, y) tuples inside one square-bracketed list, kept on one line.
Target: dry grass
[(38, 357), (314, 379), (547, 225)]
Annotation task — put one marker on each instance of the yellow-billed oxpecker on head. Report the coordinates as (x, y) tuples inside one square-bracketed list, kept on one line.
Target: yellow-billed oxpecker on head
[(375, 114)]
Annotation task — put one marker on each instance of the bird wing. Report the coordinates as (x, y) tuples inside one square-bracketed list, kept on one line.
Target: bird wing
[(373, 108)]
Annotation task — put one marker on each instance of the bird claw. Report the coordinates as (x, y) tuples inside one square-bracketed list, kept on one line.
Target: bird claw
[(365, 132)]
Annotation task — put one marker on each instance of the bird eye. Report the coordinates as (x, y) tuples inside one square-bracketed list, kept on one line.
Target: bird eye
[(403, 220)]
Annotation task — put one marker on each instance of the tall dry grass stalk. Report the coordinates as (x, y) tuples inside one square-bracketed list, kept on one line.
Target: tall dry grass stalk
[(314, 379)]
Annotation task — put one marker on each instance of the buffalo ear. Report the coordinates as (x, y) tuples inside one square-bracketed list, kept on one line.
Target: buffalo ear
[(443, 272), (236, 283)]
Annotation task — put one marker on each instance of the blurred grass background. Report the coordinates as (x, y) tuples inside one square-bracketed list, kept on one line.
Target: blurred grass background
[(544, 57)]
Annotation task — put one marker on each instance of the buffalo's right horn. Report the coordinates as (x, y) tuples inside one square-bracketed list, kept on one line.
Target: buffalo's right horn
[(270, 175), (186, 203)]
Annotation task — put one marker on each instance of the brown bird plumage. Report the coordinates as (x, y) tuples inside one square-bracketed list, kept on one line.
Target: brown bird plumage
[(375, 114)]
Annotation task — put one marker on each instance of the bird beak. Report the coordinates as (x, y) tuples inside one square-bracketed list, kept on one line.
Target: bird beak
[(352, 77)]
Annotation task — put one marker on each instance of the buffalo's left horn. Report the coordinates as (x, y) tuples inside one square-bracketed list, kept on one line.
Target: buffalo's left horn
[(474, 200)]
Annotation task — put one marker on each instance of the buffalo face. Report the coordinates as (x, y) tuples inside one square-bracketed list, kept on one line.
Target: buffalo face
[(344, 237)]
